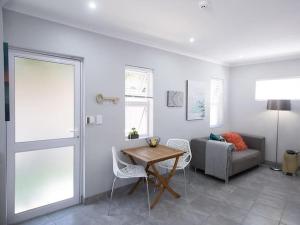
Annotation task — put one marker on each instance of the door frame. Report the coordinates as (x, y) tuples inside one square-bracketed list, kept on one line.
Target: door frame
[(11, 217)]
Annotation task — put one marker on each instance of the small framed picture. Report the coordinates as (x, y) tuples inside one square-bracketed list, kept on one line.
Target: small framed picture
[(175, 99)]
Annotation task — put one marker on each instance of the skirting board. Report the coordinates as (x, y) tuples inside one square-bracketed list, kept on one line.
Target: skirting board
[(270, 163), (104, 195)]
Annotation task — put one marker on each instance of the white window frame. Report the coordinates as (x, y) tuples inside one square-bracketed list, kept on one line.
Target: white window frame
[(219, 103), (148, 103)]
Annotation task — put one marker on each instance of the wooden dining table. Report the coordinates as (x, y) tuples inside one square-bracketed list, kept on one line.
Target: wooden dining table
[(150, 156)]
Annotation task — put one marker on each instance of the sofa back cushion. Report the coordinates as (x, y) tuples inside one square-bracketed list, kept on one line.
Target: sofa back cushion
[(216, 137), (236, 140)]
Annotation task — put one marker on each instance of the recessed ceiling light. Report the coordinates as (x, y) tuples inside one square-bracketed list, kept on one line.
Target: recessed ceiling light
[(192, 40), (203, 4), (92, 5)]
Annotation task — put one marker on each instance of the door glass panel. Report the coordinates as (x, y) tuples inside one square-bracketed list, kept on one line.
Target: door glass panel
[(44, 100), (43, 177)]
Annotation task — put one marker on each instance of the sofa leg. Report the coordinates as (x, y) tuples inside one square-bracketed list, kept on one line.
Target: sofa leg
[(227, 180)]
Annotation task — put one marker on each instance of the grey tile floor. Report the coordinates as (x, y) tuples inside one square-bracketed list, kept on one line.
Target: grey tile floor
[(257, 197)]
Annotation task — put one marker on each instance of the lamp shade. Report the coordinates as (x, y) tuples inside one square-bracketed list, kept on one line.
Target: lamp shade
[(284, 105)]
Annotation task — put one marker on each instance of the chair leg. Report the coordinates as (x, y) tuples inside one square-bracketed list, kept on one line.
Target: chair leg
[(189, 173), (148, 197), (184, 181), (111, 195)]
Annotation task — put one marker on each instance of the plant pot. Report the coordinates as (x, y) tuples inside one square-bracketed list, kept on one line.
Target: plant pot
[(133, 136)]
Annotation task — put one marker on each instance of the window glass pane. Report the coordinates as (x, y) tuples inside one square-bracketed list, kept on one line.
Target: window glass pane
[(138, 82), (44, 100), (137, 115), (43, 177), (138, 101), (216, 102), (278, 89), (216, 91), (213, 115)]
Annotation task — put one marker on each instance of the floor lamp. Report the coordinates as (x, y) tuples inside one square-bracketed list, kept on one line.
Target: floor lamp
[(278, 105)]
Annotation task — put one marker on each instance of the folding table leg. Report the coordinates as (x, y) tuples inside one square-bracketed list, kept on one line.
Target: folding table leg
[(164, 183)]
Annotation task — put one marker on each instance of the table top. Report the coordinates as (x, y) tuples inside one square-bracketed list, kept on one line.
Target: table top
[(153, 155)]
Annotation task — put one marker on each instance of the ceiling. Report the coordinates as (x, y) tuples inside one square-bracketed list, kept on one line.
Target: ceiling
[(229, 32)]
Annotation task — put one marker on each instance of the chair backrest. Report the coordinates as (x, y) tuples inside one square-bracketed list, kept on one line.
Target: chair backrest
[(181, 144), (116, 168)]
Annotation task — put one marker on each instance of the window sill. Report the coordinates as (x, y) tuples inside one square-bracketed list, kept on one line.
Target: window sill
[(217, 126), (140, 138)]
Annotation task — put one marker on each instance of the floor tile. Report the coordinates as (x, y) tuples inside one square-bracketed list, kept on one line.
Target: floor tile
[(231, 212), (219, 219), (205, 204), (272, 200), (291, 214), (254, 219), (266, 211)]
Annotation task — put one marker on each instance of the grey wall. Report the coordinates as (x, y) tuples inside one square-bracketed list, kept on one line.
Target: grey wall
[(104, 62), (2, 132), (248, 115)]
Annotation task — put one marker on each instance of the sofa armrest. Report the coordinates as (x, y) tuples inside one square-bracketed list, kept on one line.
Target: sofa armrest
[(198, 148), (219, 159), (255, 142)]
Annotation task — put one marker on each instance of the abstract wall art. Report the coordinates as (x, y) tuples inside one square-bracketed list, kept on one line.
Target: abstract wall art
[(195, 104), (174, 99)]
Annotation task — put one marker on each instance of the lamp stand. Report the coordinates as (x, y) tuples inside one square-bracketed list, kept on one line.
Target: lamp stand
[(276, 166)]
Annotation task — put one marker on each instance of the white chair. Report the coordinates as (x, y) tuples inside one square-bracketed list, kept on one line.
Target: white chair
[(183, 161), (127, 171)]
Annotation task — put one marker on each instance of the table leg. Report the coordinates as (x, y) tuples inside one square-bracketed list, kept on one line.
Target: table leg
[(164, 183), (157, 198)]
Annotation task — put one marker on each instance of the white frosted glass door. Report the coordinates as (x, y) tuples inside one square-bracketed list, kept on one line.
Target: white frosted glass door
[(43, 177), (44, 100), (43, 134)]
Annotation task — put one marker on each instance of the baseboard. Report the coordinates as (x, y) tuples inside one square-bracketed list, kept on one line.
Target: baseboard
[(271, 163), (104, 195)]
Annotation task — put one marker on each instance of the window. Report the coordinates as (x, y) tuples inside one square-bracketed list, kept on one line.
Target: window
[(278, 89), (216, 102), (139, 101)]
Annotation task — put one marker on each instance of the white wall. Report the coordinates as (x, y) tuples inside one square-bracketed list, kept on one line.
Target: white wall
[(250, 116), (2, 132), (104, 62)]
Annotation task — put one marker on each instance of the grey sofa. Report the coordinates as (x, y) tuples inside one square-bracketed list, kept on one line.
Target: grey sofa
[(239, 161)]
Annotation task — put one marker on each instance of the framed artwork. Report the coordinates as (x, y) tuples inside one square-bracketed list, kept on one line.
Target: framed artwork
[(174, 99), (195, 104)]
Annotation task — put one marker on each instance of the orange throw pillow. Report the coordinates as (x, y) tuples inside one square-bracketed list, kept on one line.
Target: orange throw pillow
[(236, 140)]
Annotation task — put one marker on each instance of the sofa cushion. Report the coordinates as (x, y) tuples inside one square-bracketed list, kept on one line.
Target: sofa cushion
[(246, 154), (216, 137), (236, 140), (244, 160)]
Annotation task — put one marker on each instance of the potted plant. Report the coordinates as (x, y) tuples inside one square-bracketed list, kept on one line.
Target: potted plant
[(133, 134)]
